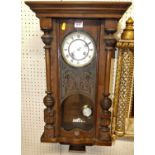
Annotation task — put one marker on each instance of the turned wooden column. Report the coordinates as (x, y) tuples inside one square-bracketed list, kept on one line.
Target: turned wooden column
[(49, 129), (109, 40)]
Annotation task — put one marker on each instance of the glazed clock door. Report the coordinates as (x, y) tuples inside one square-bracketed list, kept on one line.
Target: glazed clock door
[(78, 55)]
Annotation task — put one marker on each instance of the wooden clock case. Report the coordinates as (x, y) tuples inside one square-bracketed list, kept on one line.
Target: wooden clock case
[(100, 21)]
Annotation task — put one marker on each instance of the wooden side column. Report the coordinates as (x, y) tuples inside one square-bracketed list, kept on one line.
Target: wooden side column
[(110, 29), (49, 114)]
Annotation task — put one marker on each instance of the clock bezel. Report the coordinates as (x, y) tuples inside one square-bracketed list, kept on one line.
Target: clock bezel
[(92, 40)]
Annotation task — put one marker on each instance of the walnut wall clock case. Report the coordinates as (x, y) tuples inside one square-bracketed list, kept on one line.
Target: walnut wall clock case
[(79, 43)]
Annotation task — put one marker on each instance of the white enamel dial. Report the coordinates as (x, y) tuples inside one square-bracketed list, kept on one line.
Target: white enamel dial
[(86, 111), (78, 49)]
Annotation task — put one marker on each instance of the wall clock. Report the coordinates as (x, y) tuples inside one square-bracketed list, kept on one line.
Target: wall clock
[(79, 43)]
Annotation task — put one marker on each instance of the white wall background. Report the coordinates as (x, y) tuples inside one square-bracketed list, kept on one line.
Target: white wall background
[(33, 86)]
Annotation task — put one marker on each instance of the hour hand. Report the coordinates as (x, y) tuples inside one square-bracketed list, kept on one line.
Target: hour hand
[(72, 54)]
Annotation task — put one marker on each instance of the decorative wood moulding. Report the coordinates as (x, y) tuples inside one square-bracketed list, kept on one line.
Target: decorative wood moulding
[(79, 9), (79, 42)]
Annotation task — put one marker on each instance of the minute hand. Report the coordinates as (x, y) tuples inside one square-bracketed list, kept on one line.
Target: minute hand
[(79, 49)]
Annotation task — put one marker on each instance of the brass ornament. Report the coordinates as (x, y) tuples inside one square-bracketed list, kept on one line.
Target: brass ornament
[(124, 91), (124, 81), (128, 33), (125, 44)]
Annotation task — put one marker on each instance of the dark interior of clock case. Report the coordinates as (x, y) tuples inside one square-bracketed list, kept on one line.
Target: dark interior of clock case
[(72, 116)]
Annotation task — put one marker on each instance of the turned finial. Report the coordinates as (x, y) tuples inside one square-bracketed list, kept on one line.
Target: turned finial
[(128, 33)]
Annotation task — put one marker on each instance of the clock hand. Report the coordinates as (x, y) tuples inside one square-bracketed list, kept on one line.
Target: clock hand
[(79, 49), (72, 54)]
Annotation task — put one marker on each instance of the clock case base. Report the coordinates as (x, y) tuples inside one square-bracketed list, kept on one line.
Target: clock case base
[(78, 145), (76, 142)]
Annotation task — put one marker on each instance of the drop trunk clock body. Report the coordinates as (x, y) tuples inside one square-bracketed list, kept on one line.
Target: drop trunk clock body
[(79, 43)]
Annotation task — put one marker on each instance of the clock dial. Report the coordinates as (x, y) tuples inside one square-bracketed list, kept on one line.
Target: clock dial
[(78, 49)]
